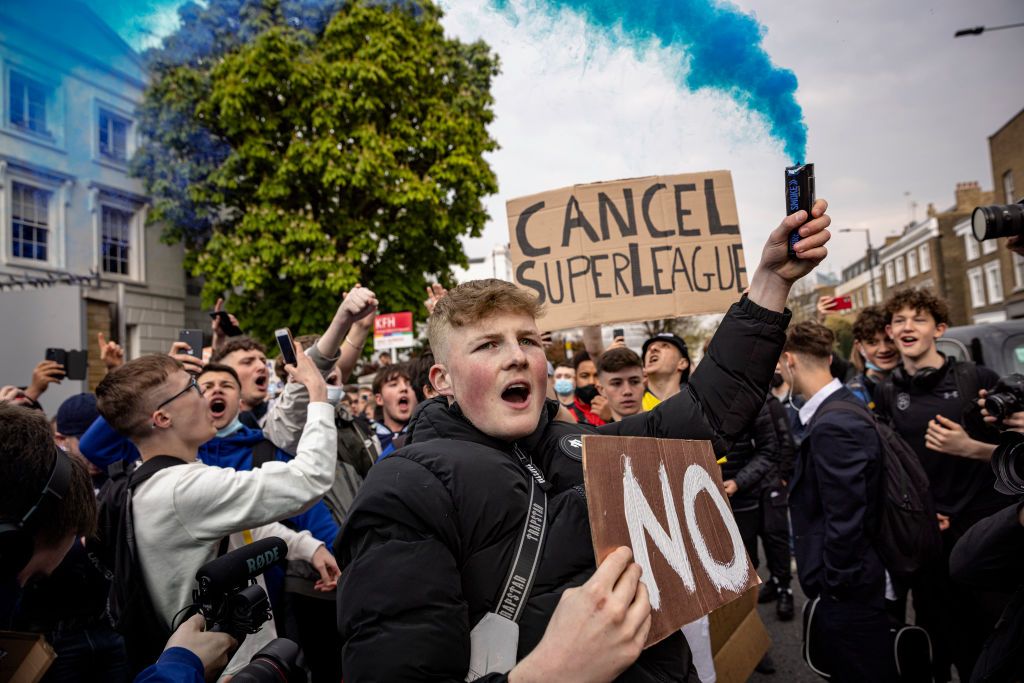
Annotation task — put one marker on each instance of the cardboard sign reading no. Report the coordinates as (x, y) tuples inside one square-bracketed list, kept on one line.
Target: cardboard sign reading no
[(627, 250), (664, 499)]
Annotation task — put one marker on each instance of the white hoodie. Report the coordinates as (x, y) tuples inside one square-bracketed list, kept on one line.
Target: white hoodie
[(181, 513)]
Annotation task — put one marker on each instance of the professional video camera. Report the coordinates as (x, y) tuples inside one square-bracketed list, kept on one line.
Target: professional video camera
[(1005, 399), (990, 222), (228, 595), (277, 662)]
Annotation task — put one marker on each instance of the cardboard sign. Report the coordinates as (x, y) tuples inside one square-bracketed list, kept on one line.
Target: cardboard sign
[(664, 499), (640, 249), (392, 331), (24, 657), (738, 639)]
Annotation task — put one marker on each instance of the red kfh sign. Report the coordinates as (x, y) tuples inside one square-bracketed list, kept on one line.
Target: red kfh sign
[(393, 331)]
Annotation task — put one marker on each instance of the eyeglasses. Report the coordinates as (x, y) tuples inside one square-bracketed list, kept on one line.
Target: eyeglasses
[(192, 384)]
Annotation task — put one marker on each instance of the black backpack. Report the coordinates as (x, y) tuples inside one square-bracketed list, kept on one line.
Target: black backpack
[(908, 537), (131, 609)]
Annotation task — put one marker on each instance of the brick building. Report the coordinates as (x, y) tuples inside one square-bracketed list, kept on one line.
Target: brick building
[(1006, 149), (856, 282)]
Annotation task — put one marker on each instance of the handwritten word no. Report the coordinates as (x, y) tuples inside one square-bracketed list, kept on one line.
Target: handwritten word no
[(640, 518)]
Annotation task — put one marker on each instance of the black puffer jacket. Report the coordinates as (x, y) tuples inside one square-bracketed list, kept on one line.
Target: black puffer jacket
[(753, 462), (431, 534)]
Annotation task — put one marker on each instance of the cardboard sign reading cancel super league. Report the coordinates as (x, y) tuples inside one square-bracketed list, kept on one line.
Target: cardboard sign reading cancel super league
[(664, 499), (639, 249)]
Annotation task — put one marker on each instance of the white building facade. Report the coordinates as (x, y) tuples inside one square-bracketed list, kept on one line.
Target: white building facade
[(68, 208)]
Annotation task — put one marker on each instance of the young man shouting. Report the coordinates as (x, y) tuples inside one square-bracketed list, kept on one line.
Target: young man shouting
[(184, 510), (667, 366), (433, 531), (248, 358)]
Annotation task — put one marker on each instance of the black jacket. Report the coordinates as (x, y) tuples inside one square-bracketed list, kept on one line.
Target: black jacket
[(835, 504), (431, 534), (753, 461), (991, 556)]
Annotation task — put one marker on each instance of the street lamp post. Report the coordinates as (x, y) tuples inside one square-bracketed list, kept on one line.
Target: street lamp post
[(871, 265)]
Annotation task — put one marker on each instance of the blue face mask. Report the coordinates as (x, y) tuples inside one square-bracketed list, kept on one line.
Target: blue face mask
[(564, 387), (230, 428)]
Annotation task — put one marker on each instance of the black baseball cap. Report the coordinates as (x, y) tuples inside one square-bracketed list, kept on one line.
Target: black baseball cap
[(669, 338)]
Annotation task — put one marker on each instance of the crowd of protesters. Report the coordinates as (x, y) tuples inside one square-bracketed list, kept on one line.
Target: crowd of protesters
[(401, 498)]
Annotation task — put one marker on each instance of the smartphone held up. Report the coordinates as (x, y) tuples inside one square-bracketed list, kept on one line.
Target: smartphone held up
[(287, 345)]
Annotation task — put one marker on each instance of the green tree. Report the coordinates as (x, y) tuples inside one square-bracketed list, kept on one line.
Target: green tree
[(842, 327), (296, 156)]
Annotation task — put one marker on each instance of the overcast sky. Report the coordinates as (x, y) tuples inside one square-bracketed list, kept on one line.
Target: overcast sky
[(892, 102), (893, 105)]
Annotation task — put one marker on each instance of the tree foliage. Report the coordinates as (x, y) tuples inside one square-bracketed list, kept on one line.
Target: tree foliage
[(298, 150)]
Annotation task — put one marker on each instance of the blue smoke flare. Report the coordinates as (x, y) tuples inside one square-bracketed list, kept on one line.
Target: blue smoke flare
[(720, 46)]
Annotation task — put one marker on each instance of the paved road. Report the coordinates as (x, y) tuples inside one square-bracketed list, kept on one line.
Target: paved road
[(785, 652)]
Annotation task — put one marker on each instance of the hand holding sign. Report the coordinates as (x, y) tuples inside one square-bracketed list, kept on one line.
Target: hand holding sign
[(663, 498), (597, 630)]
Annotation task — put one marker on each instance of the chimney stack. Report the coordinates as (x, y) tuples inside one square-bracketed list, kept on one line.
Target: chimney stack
[(968, 196)]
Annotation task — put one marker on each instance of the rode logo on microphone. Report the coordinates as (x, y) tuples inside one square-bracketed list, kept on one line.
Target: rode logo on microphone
[(263, 560)]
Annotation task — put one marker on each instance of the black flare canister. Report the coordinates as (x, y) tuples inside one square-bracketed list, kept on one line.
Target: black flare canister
[(799, 195)]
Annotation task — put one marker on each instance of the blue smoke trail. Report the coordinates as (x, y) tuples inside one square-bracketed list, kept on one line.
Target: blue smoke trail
[(721, 47)]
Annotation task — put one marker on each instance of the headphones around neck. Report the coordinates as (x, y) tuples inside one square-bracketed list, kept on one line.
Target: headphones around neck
[(17, 537), (924, 379)]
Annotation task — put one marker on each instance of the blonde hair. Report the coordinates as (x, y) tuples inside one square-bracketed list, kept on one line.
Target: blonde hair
[(472, 302)]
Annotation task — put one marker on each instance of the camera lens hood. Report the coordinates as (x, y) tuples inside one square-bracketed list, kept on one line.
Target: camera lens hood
[(1008, 463)]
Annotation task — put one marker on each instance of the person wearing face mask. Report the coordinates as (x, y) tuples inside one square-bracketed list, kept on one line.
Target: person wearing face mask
[(588, 404), (874, 353), (565, 384)]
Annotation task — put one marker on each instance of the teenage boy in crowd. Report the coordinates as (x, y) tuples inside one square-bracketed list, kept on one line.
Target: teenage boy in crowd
[(395, 399), (588, 407), (432, 533), (46, 502), (835, 502), (931, 402), (565, 383), (620, 380), (667, 366), (876, 352), (248, 358), (185, 509)]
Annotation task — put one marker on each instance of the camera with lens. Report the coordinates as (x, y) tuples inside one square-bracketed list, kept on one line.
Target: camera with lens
[(1006, 397), (227, 593), (277, 662), (992, 222)]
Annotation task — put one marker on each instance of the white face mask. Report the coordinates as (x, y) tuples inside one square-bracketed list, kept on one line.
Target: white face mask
[(230, 428), (334, 394)]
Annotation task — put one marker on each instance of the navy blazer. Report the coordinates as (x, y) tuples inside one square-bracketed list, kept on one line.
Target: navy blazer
[(834, 502)]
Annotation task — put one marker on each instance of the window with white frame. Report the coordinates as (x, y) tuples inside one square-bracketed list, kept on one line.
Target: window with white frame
[(911, 263), (994, 281), (901, 272), (30, 222), (971, 246), (889, 277), (27, 103), (989, 247), (977, 284), (1008, 190), (113, 135), (1018, 271), (115, 240), (925, 254)]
